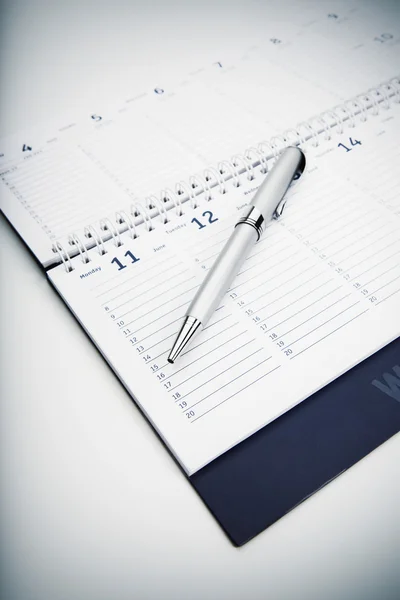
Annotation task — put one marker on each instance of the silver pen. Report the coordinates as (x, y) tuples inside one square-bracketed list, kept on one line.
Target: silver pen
[(268, 203)]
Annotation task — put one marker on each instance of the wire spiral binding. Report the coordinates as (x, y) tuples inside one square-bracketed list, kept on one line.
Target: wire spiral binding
[(216, 178)]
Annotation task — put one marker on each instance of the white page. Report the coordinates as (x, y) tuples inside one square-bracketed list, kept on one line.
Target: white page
[(269, 91), (97, 163), (94, 164), (65, 185), (318, 294), (344, 50)]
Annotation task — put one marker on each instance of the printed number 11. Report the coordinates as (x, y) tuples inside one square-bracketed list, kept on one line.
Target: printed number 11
[(119, 263)]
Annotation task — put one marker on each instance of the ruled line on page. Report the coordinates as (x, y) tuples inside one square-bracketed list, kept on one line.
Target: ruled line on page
[(343, 228), (253, 254), (169, 312), (158, 330), (300, 298), (211, 236), (207, 353), (266, 281), (236, 393), (242, 360), (322, 324), (235, 287), (158, 263), (158, 343), (201, 356), (163, 294), (137, 279), (321, 212), (262, 261), (270, 291), (147, 290), (109, 300), (290, 292), (383, 286), (312, 200), (268, 236), (266, 251), (207, 248), (172, 335), (192, 347), (302, 309), (312, 317), (315, 223), (387, 297), (222, 373), (380, 275), (357, 239), (370, 256), (369, 245), (176, 321), (329, 334), (375, 265), (193, 375)]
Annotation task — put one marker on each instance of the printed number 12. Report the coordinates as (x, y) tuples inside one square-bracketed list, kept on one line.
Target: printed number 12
[(119, 263), (211, 219)]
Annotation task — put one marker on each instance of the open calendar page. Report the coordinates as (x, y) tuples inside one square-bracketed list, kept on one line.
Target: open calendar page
[(318, 294), (58, 180)]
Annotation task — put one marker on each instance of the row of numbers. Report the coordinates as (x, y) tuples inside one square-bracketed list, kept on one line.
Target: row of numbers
[(144, 347)]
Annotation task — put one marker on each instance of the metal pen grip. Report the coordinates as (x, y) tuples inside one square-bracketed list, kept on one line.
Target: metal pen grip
[(254, 218)]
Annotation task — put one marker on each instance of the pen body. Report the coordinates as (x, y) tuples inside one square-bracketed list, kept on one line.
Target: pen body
[(222, 273), (267, 204)]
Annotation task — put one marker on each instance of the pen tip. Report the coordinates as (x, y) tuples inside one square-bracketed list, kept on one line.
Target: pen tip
[(188, 329)]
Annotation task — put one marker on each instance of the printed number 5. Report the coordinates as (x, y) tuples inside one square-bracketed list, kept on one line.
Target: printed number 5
[(211, 219)]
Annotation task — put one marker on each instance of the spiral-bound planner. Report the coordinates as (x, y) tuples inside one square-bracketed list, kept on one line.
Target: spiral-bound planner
[(318, 294)]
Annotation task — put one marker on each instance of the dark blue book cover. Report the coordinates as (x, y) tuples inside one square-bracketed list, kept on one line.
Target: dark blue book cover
[(261, 479)]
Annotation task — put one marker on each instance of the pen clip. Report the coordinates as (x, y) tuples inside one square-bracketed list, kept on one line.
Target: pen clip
[(279, 209), (281, 205)]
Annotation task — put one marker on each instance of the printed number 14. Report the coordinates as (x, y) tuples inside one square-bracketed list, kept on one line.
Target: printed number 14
[(352, 142)]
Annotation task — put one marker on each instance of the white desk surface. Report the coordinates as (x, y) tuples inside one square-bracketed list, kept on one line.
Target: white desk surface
[(93, 507)]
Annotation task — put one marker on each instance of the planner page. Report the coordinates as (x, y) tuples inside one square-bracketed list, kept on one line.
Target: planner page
[(317, 294), (303, 60)]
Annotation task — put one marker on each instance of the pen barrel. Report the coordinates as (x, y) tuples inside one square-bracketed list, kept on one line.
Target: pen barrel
[(222, 273), (269, 199)]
